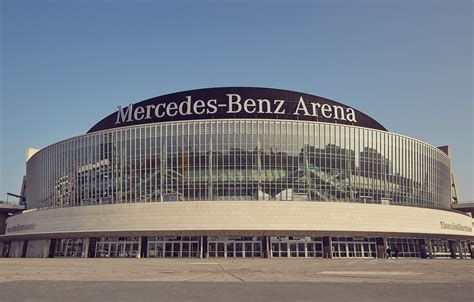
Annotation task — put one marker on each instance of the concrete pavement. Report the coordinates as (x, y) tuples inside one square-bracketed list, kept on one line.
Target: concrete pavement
[(236, 280)]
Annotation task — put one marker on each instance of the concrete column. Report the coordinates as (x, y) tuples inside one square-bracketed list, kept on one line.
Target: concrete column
[(46, 248), (200, 247), (92, 246), (139, 252), (52, 246), (144, 247), (5, 250), (381, 244), (452, 248), (430, 249), (85, 248), (265, 247), (2, 246), (460, 249), (24, 248), (327, 248), (470, 247), (205, 252), (16, 248), (270, 247)]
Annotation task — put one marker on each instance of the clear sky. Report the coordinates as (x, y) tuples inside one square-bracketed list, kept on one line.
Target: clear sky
[(67, 64)]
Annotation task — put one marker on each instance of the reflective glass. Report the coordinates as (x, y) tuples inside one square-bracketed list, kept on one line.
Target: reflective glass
[(239, 160)]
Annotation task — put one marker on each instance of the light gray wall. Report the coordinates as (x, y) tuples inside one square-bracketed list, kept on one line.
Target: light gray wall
[(37, 248), (16, 249), (243, 216)]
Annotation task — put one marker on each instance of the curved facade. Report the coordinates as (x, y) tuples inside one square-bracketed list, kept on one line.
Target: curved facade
[(239, 160), (238, 172)]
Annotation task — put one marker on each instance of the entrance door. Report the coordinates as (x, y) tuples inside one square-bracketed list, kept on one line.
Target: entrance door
[(293, 250), (353, 248), (185, 249), (173, 247), (239, 249), (168, 249), (230, 249), (234, 247), (160, 251), (248, 249), (212, 249), (220, 249)]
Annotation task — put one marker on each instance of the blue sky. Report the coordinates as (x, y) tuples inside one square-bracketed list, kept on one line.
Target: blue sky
[(67, 64)]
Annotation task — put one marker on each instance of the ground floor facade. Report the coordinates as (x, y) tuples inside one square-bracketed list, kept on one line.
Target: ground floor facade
[(238, 247), (238, 229)]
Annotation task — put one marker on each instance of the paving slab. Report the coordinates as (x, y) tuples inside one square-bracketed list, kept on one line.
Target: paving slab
[(236, 280)]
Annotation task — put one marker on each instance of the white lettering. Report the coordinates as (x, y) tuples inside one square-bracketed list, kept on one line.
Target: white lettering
[(351, 115), (186, 104), (234, 105), (138, 114), (171, 109), (124, 116), (212, 104), (249, 106), (157, 110), (316, 107), (234, 102), (279, 104), (339, 109), (260, 106), (198, 105), (326, 110), (148, 111), (301, 106)]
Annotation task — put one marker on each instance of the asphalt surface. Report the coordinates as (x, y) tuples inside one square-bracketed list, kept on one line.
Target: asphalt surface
[(236, 280)]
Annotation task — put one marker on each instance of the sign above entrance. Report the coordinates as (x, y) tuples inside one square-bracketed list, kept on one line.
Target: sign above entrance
[(236, 103)]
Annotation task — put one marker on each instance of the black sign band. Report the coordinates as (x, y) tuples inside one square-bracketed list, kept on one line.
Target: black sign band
[(236, 103)]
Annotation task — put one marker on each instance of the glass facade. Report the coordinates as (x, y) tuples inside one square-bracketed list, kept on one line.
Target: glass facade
[(354, 247), (407, 247), (68, 247), (239, 160), (121, 247), (297, 247), (257, 247), (440, 248), (173, 247), (237, 246), (465, 250)]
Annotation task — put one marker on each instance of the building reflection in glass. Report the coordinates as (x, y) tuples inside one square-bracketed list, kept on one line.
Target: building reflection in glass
[(239, 160)]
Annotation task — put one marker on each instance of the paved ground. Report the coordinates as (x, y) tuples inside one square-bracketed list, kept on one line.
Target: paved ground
[(236, 280)]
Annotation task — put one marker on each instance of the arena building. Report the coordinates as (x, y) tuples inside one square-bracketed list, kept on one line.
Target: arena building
[(238, 172)]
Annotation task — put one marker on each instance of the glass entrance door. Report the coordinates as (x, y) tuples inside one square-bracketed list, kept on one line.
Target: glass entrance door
[(173, 247), (440, 248), (301, 247), (234, 247), (353, 247), (116, 247)]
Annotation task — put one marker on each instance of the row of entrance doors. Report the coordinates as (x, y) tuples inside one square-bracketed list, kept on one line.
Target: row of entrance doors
[(343, 247), (252, 247), (216, 247), (174, 247), (297, 248), (234, 248)]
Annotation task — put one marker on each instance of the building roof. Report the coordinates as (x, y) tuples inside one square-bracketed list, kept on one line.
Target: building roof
[(467, 207), (9, 207)]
